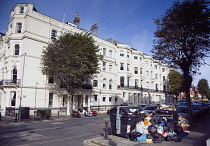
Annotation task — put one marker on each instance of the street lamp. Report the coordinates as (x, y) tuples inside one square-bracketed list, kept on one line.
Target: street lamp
[(36, 93), (22, 86)]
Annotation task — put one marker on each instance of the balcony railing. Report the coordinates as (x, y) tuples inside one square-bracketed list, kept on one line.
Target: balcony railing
[(10, 82), (140, 89)]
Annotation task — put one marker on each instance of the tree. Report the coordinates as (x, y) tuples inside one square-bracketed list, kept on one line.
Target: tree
[(203, 87), (175, 82), (183, 39), (70, 60)]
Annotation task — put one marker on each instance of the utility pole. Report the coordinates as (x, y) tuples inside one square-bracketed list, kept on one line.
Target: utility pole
[(22, 87)]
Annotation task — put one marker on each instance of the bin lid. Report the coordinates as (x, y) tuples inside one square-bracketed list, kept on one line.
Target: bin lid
[(127, 110)]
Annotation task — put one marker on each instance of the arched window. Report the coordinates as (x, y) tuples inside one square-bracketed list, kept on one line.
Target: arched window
[(14, 75), (95, 81)]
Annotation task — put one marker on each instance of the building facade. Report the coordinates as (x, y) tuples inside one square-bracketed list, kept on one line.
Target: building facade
[(127, 75)]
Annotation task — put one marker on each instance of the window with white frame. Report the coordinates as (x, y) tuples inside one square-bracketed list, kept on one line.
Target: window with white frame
[(104, 83), (19, 27), (121, 66), (136, 83), (104, 99), (128, 67), (147, 63), (156, 76), (104, 66), (135, 57), (95, 97), (121, 53), (164, 78), (147, 85), (155, 66), (110, 99), (160, 76), (110, 68), (135, 70), (50, 99), (14, 75), (13, 98), (21, 10), (110, 53), (17, 49), (128, 54), (124, 94), (53, 34), (163, 69), (95, 81), (156, 87), (110, 84), (141, 71), (147, 74), (104, 51), (140, 58), (122, 78)]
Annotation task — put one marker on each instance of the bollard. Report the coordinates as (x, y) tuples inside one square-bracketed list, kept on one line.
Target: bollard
[(106, 130), (16, 117), (0, 116), (58, 114)]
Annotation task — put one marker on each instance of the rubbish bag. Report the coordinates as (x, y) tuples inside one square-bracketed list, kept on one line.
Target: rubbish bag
[(142, 138), (158, 138), (152, 129), (168, 138), (134, 135)]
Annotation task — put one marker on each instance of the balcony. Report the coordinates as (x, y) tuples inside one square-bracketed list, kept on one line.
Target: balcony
[(139, 89), (10, 82)]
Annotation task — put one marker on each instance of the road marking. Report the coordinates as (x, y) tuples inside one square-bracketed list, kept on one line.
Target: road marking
[(57, 123)]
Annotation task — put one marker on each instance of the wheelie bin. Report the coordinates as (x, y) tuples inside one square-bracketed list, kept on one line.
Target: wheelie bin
[(124, 118)]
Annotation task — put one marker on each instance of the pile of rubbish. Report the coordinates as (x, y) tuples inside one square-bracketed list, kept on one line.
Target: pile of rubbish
[(164, 125)]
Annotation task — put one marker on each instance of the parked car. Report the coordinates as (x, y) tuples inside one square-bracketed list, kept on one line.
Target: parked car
[(181, 104), (150, 109), (182, 111), (142, 106)]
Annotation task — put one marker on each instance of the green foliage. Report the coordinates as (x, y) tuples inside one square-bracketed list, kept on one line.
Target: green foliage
[(175, 82), (71, 59), (183, 39), (203, 87)]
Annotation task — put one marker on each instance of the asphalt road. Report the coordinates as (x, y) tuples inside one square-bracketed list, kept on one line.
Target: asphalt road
[(70, 132)]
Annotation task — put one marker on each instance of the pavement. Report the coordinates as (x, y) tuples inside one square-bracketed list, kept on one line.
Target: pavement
[(198, 135), (8, 120)]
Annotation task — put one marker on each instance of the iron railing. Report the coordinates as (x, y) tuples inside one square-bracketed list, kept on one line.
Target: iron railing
[(10, 82)]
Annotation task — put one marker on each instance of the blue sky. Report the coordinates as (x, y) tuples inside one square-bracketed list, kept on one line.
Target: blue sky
[(128, 21)]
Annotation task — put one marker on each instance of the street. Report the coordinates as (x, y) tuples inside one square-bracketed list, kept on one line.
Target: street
[(66, 132)]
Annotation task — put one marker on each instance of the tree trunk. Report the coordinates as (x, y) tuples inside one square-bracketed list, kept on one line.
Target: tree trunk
[(186, 85)]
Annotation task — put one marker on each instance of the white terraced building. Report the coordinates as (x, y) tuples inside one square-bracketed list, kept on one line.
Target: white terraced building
[(127, 75)]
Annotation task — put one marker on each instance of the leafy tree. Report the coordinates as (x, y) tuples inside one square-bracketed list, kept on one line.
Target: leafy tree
[(70, 60), (183, 39), (203, 87), (175, 82)]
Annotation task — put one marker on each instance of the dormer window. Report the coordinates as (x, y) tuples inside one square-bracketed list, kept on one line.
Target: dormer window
[(54, 34), (21, 10), (19, 27)]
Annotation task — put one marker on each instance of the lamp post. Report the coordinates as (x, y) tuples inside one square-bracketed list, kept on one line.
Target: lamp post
[(36, 93), (22, 87)]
